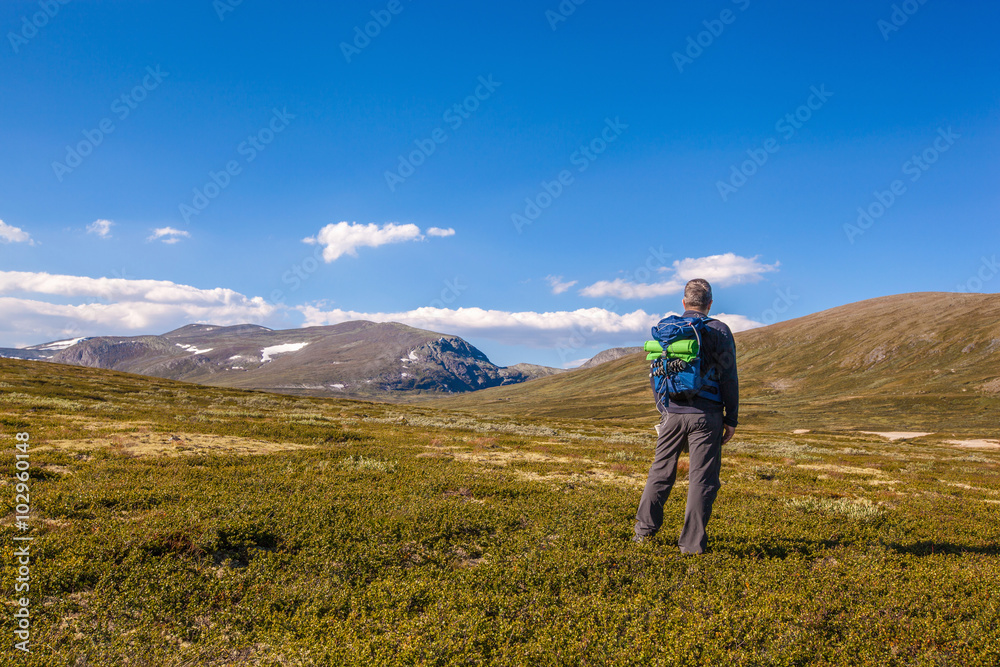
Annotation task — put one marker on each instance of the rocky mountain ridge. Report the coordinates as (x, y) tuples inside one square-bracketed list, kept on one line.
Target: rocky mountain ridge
[(356, 358)]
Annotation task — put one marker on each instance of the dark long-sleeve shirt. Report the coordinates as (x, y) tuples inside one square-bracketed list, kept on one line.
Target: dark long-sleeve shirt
[(720, 353)]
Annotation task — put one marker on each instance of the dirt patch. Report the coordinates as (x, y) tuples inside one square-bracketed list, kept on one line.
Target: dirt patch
[(991, 387), (897, 435), (590, 476), (975, 444), (92, 424), (59, 470), (464, 560), (783, 384), (607, 477), (177, 444), (847, 470), (504, 457)]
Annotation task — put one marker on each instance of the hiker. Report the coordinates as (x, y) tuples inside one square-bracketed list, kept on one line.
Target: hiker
[(702, 425)]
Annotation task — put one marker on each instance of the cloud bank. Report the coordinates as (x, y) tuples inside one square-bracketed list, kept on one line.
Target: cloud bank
[(34, 308), (719, 270), (577, 329)]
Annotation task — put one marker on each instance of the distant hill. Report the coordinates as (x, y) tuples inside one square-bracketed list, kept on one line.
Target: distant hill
[(925, 361), (358, 358), (609, 355), (533, 371)]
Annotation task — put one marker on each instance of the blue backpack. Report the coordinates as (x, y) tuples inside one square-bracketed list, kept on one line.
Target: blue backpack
[(679, 370)]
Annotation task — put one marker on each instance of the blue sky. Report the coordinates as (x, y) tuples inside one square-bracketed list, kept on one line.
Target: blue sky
[(269, 162)]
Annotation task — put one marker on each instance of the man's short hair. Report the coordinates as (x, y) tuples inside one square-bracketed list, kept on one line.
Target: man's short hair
[(698, 293)]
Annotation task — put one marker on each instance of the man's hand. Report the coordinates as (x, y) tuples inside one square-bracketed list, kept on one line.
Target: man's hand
[(728, 432)]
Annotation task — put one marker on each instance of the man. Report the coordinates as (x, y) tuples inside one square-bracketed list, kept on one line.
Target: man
[(702, 426)]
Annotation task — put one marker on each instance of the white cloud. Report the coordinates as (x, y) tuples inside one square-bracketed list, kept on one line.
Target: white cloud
[(11, 234), (126, 307), (574, 330), (719, 270), (437, 231), (168, 235), (100, 227), (113, 289), (624, 289), (737, 322), (723, 270), (344, 238), (557, 284)]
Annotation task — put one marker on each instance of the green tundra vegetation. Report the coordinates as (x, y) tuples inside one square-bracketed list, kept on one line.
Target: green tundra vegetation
[(178, 524)]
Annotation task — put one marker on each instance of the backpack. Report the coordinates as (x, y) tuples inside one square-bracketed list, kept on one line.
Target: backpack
[(678, 369)]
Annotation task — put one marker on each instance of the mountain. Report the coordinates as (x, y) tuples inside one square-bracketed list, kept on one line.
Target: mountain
[(43, 352), (925, 361), (532, 371), (609, 355), (350, 359)]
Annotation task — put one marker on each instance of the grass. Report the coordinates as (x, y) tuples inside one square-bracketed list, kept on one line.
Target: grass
[(375, 534)]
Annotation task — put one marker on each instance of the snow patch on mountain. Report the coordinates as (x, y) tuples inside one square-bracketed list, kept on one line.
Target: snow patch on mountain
[(265, 354), (193, 349), (58, 345)]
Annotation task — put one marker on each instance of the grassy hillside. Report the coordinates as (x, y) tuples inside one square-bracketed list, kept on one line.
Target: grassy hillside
[(179, 524), (927, 361)]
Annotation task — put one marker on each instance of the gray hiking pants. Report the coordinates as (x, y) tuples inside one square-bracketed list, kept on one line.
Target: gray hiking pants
[(702, 435)]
